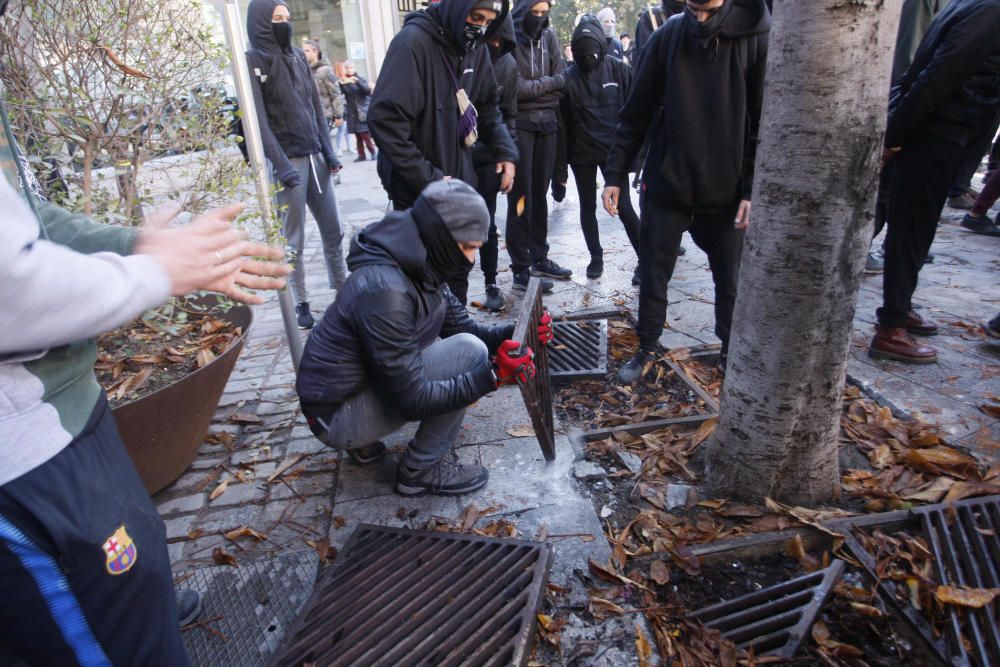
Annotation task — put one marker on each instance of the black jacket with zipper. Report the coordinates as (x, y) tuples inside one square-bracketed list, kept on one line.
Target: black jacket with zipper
[(414, 111), (952, 87), (592, 100), (540, 66), (390, 309), (505, 71), (703, 142), (289, 111)]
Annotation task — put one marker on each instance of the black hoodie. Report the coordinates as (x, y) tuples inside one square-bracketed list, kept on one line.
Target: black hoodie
[(591, 100), (703, 143), (414, 112), (390, 309), (289, 110), (505, 70), (645, 27), (540, 63)]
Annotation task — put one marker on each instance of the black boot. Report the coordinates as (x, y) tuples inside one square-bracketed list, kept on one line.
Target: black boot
[(633, 370)]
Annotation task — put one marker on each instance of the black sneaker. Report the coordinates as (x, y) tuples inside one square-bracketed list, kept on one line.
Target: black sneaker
[(558, 191), (521, 282), (363, 456), (992, 327), (447, 477), (494, 299), (547, 267), (596, 268), (636, 277), (633, 370), (980, 225), (681, 250), (303, 316), (360, 158), (188, 606)]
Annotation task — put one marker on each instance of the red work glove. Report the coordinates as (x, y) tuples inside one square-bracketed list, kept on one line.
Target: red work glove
[(545, 328), (511, 367)]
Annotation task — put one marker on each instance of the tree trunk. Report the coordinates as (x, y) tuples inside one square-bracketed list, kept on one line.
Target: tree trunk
[(814, 194)]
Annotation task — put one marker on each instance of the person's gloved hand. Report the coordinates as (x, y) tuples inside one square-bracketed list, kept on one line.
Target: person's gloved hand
[(545, 328), (290, 178), (334, 164), (511, 367)]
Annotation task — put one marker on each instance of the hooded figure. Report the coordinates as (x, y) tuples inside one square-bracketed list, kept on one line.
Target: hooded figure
[(649, 20), (609, 24), (706, 69), (596, 87), (296, 140), (415, 115), (397, 346)]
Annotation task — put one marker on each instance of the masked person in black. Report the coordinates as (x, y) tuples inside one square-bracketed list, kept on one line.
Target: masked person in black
[(296, 142), (436, 96), (597, 84), (609, 23), (706, 67), (540, 64), (397, 346), (649, 20)]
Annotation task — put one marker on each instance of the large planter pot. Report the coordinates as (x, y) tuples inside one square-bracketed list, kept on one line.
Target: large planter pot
[(163, 431)]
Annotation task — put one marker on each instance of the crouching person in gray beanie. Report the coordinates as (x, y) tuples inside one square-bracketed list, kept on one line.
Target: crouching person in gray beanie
[(397, 346)]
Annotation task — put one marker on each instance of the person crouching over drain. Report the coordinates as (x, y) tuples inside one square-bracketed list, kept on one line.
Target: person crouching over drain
[(397, 346)]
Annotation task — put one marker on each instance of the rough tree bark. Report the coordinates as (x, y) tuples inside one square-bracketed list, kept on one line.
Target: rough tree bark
[(817, 175)]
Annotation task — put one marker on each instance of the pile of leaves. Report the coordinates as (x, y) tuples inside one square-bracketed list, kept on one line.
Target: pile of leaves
[(160, 348), (466, 522)]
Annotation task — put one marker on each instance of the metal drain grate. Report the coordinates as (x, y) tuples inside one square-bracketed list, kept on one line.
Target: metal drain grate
[(537, 394), (774, 620), (579, 350), (253, 604), (402, 597), (964, 540)]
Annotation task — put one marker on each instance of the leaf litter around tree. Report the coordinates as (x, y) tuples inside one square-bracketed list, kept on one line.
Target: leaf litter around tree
[(887, 464)]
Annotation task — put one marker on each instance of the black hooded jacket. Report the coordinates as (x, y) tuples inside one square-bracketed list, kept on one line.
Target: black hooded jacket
[(289, 111), (540, 64), (505, 70), (649, 20), (390, 309), (592, 100), (952, 87), (703, 143), (414, 112)]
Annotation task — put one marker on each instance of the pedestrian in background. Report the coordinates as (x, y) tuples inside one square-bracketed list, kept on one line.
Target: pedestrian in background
[(358, 95), (330, 95)]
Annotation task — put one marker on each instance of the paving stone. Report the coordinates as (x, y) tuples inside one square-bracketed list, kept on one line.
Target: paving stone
[(179, 526), (182, 504), (312, 485), (241, 494), (217, 519), (586, 471)]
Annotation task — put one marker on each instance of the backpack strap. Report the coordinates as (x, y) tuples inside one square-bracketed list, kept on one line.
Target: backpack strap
[(652, 18)]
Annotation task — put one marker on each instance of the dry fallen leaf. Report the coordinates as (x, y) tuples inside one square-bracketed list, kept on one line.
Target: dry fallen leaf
[(520, 206), (659, 572), (963, 596), (705, 430), (285, 465), (244, 531), (521, 431), (222, 558), (220, 489), (601, 608), (643, 650), (245, 418)]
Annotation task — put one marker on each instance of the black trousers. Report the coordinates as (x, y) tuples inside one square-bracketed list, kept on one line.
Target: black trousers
[(83, 560), (972, 157), (488, 188), (714, 232), (586, 187), (527, 233), (917, 182)]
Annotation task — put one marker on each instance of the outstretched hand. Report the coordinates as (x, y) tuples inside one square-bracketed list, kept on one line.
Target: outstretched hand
[(610, 199)]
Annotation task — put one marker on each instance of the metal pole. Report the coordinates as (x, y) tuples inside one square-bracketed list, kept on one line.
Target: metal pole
[(255, 150)]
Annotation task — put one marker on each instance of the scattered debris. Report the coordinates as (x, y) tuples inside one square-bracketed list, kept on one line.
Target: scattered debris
[(588, 471)]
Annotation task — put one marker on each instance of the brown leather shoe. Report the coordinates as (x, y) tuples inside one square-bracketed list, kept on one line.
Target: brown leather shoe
[(918, 325), (899, 345)]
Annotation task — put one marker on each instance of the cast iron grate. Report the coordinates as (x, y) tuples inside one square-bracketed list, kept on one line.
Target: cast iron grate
[(537, 393), (402, 597), (773, 620), (579, 350), (253, 604), (964, 538)]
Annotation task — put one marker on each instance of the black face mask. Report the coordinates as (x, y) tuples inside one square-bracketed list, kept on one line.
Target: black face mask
[(282, 33), (533, 25), (472, 36), (495, 52), (587, 55), (445, 260)]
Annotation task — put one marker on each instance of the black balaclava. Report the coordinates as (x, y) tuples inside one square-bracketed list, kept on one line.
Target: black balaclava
[(707, 33), (472, 36), (282, 34), (447, 213), (674, 6), (533, 25), (588, 55)]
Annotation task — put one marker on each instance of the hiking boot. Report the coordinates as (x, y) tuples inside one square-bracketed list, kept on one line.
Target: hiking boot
[(633, 370), (596, 268), (188, 606), (681, 250), (898, 344), (919, 325), (980, 225), (494, 299), (929, 259), (368, 454), (992, 328), (303, 316), (547, 267), (521, 282), (447, 477), (964, 201), (876, 261), (636, 277)]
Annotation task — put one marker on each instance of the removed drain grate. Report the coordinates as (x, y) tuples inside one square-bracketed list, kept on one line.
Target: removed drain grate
[(579, 350), (774, 620), (402, 597), (963, 538), (537, 393)]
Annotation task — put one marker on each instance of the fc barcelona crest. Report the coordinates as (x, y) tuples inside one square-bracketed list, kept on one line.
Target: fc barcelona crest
[(119, 552)]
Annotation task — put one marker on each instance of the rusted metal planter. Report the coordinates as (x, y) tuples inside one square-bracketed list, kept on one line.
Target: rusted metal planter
[(163, 431)]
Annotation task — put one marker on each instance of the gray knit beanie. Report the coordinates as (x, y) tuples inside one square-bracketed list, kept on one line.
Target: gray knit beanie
[(461, 208)]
